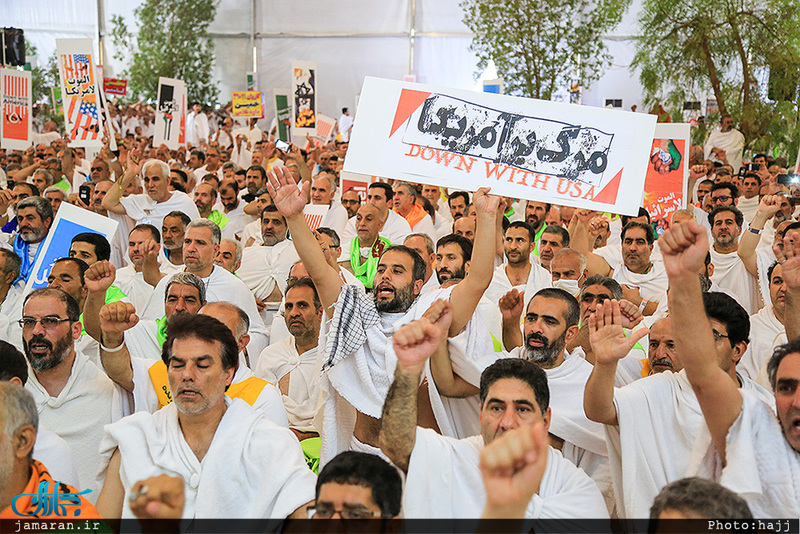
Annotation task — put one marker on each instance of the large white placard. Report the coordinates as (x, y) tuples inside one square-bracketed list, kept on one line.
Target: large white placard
[(170, 113), (564, 154)]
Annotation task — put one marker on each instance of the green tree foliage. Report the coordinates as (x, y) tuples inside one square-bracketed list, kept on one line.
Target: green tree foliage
[(43, 79), (538, 46), (744, 53), (172, 41)]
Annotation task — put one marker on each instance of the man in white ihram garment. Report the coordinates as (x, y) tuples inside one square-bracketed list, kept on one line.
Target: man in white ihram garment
[(513, 393), (231, 461), (756, 442), (729, 270), (726, 144), (652, 425)]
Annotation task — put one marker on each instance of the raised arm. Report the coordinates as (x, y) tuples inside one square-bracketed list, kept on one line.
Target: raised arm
[(98, 279), (115, 319), (111, 202), (290, 201), (609, 345), (582, 241), (511, 309), (791, 277), (767, 209), (449, 384), (414, 343), (468, 292), (150, 268), (684, 248)]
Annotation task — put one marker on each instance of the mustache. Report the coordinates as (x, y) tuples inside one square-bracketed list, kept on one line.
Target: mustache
[(40, 339), (665, 362), (533, 336)]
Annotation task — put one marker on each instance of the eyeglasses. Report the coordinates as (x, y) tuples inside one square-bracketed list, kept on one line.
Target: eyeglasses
[(721, 198), (97, 169), (718, 337), (48, 323), (324, 512)]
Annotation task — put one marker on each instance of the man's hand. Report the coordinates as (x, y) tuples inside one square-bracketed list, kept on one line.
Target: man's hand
[(150, 250), (415, 342), (790, 258), (768, 207), (606, 335), (684, 248), (288, 198), (512, 468), (631, 293), (100, 276), (486, 203), (511, 305), (117, 317), (6, 198), (631, 314), (135, 162), (160, 497)]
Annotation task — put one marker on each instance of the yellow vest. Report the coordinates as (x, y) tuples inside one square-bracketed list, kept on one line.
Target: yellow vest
[(248, 389)]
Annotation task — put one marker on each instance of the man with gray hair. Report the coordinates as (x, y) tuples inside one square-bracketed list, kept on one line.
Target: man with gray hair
[(56, 196), (42, 179), (152, 206), (21, 474), (323, 192), (75, 399), (230, 255), (405, 204), (200, 248), (34, 217)]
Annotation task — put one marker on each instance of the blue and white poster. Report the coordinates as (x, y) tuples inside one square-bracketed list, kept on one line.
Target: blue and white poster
[(70, 221)]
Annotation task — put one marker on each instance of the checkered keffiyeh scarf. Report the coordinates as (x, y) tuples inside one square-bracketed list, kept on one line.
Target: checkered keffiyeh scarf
[(355, 312)]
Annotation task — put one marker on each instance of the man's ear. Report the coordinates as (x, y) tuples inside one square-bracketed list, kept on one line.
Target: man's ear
[(418, 286), (572, 331), (710, 270), (23, 441), (546, 419), (466, 266), (738, 351)]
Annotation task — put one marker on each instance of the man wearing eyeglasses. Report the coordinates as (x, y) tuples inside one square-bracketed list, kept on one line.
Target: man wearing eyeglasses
[(654, 422), (730, 271), (75, 399)]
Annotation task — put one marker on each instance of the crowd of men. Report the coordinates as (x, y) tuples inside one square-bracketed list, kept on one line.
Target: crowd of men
[(422, 353)]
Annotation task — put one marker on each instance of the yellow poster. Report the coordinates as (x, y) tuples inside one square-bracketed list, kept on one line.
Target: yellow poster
[(247, 104)]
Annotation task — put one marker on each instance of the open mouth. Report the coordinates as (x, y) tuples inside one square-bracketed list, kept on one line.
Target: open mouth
[(384, 291)]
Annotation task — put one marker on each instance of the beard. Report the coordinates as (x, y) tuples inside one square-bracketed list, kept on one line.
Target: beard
[(546, 355), (725, 240), (443, 275), (402, 300), (56, 354)]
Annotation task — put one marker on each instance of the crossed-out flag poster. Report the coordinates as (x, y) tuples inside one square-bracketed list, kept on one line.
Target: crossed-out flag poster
[(325, 126), (15, 94), (283, 113), (579, 156), (357, 182), (69, 222), (247, 104), (314, 213), (79, 87), (665, 183), (170, 113), (304, 92)]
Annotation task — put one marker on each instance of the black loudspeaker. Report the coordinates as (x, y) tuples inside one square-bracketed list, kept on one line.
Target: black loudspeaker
[(14, 47)]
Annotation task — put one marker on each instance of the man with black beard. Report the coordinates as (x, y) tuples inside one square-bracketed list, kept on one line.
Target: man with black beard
[(453, 255), (75, 399), (359, 368), (551, 321)]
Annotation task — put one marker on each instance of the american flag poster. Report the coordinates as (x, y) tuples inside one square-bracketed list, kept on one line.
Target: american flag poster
[(325, 126), (82, 112), (314, 213), (170, 113), (15, 94)]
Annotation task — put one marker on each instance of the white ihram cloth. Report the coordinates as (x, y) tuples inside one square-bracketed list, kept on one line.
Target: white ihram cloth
[(358, 363), (264, 267), (335, 218), (651, 285), (56, 455), (143, 209), (765, 257), (748, 207), (395, 229), (730, 273), (732, 142), (253, 468), (760, 466), (584, 440), (659, 422), (302, 399), (766, 333), (88, 402), (221, 286), (538, 278), (133, 285), (444, 480)]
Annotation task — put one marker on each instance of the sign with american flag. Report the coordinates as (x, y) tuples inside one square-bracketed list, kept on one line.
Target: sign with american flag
[(82, 113), (325, 127), (314, 213), (15, 93)]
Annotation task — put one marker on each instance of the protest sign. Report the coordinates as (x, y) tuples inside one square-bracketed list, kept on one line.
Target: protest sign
[(357, 182), (15, 88), (304, 90), (58, 100), (69, 222), (283, 113), (325, 127), (170, 113), (115, 86), (79, 90), (665, 183), (565, 154), (314, 213), (250, 81), (247, 104)]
